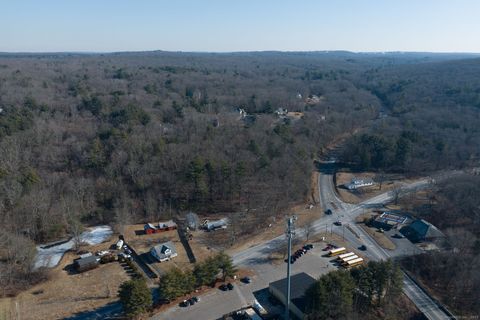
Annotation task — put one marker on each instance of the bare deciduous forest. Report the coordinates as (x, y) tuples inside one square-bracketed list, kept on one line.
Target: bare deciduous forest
[(116, 138)]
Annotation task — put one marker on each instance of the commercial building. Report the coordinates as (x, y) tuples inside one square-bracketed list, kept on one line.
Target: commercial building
[(421, 230), (390, 219), (299, 283)]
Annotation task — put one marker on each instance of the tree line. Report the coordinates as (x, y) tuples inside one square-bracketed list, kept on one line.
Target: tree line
[(367, 290)]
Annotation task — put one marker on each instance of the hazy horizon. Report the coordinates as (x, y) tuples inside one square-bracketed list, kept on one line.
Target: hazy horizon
[(87, 52)]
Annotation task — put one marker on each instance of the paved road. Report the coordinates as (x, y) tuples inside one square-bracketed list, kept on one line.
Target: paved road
[(348, 213), (215, 303)]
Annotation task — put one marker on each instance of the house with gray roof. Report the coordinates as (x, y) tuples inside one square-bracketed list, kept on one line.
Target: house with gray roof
[(164, 251)]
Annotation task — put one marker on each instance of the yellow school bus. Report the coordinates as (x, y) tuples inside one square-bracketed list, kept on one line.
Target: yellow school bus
[(345, 255), (350, 258), (353, 263), (337, 251)]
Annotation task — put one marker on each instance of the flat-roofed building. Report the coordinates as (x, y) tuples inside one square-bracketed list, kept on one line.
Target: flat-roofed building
[(299, 283)]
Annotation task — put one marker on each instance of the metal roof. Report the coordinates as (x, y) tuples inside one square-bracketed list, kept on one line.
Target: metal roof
[(299, 283)]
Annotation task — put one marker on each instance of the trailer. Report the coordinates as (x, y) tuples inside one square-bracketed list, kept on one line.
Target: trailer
[(215, 225)]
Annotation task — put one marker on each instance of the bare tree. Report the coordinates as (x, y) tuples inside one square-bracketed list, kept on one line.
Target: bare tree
[(397, 192), (75, 228), (380, 177), (308, 228)]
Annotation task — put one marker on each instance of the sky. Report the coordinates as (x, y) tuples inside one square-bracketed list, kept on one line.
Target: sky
[(241, 25)]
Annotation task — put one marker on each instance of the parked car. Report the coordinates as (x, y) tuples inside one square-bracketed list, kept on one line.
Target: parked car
[(164, 301), (230, 286), (246, 280), (328, 212), (102, 253), (185, 303), (308, 246), (191, 301), (223, 287), (362, 247), (124, 257), (196, 299), (338, 223)]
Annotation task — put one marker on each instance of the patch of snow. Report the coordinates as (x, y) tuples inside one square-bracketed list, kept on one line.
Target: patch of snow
[(96, 235), (50, 257)]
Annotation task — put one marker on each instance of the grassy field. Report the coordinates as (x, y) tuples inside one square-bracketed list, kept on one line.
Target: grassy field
[(5, 309), (380, 238), (67, 293)]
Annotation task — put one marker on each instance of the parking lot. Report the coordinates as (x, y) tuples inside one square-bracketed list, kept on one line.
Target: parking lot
[(216, 303), (403, 246)]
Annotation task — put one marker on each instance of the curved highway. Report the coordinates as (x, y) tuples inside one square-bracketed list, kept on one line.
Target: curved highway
[(347, 213)]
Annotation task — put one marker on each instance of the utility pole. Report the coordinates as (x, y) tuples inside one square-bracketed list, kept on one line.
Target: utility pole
[(290, 233)]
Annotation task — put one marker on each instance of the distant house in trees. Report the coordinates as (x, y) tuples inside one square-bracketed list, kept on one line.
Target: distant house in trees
[(359, 183), (281, 112), (164, 251), (242, 112), (312, 99)]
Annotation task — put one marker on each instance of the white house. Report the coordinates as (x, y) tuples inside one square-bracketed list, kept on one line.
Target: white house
[(359, 183), (281, 112), (164, 251)]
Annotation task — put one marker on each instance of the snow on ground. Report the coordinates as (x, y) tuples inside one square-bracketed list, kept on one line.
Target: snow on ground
[(50, 257)]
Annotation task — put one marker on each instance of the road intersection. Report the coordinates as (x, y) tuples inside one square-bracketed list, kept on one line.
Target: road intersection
[(347, 213), (216, 303)]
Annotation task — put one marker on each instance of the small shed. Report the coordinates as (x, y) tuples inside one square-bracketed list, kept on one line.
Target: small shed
[(192, 221), (167, 225), (84, 264), (149, 228)]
